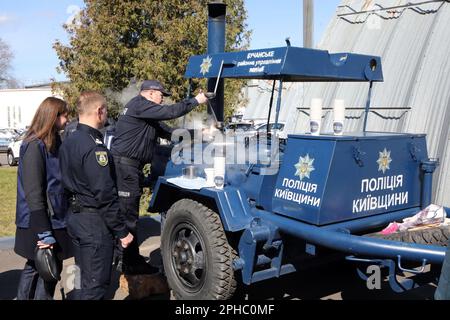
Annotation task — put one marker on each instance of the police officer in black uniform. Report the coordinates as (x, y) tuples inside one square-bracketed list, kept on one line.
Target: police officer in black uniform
[(94, 217), (133, 146)]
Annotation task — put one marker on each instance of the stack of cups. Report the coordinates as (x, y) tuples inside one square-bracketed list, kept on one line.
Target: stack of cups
[(339, 116), (315, 116), (219, 171)]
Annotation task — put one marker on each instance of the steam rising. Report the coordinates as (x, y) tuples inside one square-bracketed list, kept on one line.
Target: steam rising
[(124, 96)]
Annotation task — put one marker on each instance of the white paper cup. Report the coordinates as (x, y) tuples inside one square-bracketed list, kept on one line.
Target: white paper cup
[(315, 126), (219, 172), (209, 173), (315, 121), (338, 117)]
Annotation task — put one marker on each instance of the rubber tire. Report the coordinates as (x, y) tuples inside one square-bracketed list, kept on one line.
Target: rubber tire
[(219, 282), (431, 236), (10, 158)]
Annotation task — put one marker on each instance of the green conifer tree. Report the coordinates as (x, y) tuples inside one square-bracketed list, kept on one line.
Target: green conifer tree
[(115, 42)]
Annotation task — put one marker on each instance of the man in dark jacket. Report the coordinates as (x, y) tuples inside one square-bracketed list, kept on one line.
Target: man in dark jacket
[(94, 217), (136, 132)]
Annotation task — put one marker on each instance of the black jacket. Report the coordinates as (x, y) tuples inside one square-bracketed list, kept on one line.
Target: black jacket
[(88, 173), (39, 181), (140, 125)]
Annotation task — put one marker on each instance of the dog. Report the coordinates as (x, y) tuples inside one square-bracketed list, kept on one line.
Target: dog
[(142, 286)]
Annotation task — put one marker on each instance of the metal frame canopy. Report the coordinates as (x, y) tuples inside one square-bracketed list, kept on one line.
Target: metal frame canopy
[(291, 64)]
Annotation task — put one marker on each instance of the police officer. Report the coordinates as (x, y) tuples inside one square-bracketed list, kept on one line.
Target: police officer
[(88, 177), (133, 146)]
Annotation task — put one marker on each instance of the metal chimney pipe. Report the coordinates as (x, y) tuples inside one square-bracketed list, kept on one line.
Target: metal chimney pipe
[(308, 23), (216, 43)]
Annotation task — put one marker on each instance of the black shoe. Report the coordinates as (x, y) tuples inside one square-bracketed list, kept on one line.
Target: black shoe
[(139, 268)]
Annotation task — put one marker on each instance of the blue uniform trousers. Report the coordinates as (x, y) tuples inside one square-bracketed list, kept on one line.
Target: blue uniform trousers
[(32, 286), (129, 184), (93, 250)]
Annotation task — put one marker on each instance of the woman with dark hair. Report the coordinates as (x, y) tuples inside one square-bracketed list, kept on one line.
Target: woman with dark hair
[(41, 204)]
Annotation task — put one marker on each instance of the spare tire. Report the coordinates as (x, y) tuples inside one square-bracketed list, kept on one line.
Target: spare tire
[(432, 236)]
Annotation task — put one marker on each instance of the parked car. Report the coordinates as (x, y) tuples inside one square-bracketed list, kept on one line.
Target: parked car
[(14, 150), (9, 133), (238, 127), (261, 130), (4, 143), (278, 127)]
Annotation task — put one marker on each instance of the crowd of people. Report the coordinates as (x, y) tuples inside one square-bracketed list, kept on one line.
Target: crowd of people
[(80, 197), (77, 198)]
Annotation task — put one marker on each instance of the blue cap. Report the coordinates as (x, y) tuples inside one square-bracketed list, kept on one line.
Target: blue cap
[(154, 85)]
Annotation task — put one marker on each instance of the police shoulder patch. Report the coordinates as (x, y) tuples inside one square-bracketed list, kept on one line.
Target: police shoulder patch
[(102, 158)]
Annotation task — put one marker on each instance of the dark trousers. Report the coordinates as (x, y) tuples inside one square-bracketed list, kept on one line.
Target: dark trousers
[(32, 286), (93, 251), (443, 289), (129, 186)]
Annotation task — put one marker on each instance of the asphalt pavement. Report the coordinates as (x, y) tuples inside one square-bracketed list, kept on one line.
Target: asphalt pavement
[(3, 159), (335, 280)]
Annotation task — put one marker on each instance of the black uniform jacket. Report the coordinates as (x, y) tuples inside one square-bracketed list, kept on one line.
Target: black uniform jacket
[(139, 126), (88, 173)]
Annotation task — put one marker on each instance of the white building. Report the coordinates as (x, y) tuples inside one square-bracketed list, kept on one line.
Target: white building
[(18, 106)]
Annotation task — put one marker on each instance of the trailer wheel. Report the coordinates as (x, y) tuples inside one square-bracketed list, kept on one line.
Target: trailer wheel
[(196, 254), (435, 236)]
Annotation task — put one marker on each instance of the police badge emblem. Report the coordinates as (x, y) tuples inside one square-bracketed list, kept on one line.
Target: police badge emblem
[(384, 160), (304, 167), (206, 65), (102, 158)]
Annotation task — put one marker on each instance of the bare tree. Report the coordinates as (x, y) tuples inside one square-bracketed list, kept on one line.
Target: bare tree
[(6, 56)]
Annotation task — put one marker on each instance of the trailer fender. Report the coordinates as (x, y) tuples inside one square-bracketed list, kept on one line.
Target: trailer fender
[(230, 203)]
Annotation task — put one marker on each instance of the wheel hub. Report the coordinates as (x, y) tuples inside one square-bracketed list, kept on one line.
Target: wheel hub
[(187, 256), (183, 254)]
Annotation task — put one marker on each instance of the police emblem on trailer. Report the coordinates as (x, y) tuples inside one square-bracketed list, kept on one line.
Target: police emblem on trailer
[(102, 158), (384, 160), (304, 167), (206, 65)]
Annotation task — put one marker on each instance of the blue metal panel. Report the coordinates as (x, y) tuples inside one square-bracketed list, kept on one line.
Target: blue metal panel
[(372, 222), (231, 203), (302, 178), (356, 136), (233, 207), (258, 186), (287, 63), (356, 190), (347, 178)]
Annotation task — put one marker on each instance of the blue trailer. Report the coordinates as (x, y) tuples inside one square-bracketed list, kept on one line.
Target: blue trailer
[(313, 197)]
